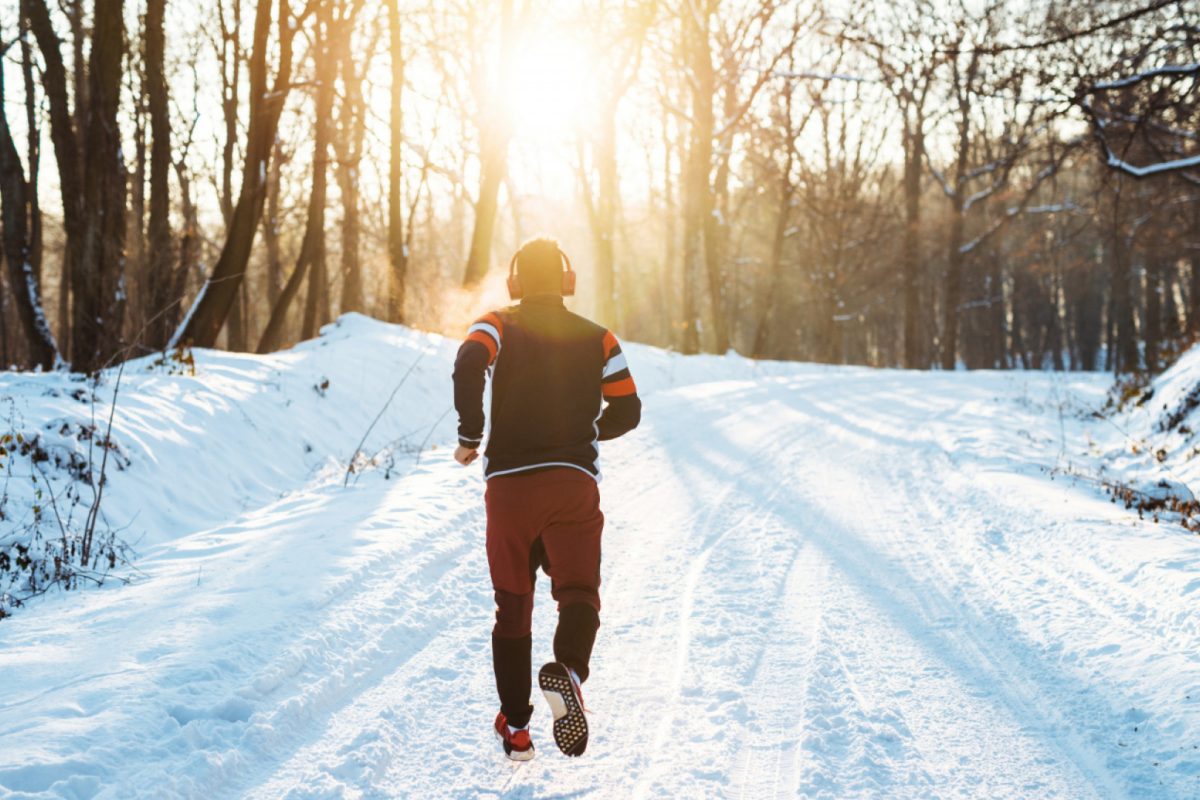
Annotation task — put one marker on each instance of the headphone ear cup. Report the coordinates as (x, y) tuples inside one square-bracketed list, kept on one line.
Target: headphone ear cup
[(568, 283), (514, 287)]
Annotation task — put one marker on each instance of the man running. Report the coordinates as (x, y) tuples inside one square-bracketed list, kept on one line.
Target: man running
[(560, 384)]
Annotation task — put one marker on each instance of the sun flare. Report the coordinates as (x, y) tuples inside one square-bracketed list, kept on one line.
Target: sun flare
[(551, 83)]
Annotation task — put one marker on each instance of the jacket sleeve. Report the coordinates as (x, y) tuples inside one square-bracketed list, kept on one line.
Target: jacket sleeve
[(622, 410), (475, 355)]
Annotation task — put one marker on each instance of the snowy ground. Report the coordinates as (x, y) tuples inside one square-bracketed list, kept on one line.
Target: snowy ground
[(818, 582)]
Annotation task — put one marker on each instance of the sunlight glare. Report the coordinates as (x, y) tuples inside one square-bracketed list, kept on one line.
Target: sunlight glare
[(551, 89)]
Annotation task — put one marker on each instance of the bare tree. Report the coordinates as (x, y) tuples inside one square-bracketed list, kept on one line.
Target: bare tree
[(624, 53), (162, 304), (495, 131), (398, 250), (208, 313), (34, 148), (312, 248), (230, 58), (18, 245), (348, 144), (715, 53), (784, 122), (899, 40), (93, 189)]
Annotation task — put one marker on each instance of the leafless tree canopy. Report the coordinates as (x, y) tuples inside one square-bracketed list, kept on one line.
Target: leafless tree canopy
[(911, 183)]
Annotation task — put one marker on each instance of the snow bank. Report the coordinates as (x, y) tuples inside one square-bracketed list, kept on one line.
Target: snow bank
[(1151, 443), (190, 450)]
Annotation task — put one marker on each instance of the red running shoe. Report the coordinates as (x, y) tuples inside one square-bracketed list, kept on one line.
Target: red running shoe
[(565, 699), (517, 744)]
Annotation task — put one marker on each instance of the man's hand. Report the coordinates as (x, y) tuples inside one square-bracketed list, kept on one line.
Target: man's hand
[(465, 455)]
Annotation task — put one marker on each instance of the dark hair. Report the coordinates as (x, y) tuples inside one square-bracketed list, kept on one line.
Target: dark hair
[(540, 266)]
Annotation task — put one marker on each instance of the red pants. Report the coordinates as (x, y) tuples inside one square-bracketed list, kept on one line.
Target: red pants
[(549, 519)]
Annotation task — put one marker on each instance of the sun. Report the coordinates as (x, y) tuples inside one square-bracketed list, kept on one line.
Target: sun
[(550, 88)]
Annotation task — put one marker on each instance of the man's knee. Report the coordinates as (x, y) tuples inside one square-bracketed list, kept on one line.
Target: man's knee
[(514, 614), (578, 594)]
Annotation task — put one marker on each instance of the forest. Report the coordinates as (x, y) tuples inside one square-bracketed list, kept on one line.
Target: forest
[(923, 184)]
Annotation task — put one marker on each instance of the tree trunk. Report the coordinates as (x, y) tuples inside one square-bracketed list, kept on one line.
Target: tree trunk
[(493, 157), (66, 152), (161, 308), (189, 240), (716, 233), (349, 146), (135, 229), (5, 360), (1054, 333), (34, 153), (955, 256), (604, 220), (1089, 308), (671, 265), (316, 301), (312, 248), (952, 295), (98, 283), (17, 246), (787, 191), (696, 189), (997, 315), (1125, 354), (1194, 261), (230, 61), (914, 143), (492, 173), (1153, 336), (397, 249), (270, 226), (219, 292)]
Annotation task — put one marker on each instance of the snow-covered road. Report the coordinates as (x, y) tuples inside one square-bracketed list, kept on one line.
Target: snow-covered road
[(817, 583)]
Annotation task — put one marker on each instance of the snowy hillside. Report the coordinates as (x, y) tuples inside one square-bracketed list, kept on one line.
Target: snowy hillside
[(818, 582)]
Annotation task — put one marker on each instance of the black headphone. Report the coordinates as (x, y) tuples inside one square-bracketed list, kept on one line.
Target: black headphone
[(516, 292)]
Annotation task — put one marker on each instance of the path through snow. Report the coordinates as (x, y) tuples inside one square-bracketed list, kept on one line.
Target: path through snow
[(817, 583)]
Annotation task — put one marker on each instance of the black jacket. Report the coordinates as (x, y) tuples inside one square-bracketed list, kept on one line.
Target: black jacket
[(552, 372)]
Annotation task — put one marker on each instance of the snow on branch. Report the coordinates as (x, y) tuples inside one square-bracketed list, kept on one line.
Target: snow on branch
[(1174, 165), (1171, 70), (1111, 119), (827, 77)]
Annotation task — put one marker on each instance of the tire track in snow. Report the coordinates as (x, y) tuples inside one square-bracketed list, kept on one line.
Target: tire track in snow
[(887, 591), (1080, 715), (367, 622), (771, 761), (731, 524), (935, 620)]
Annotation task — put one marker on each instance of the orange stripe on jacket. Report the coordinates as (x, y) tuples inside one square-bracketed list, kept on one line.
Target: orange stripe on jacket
[(610, 342), (493, 319), (621, 388), (485, 340)]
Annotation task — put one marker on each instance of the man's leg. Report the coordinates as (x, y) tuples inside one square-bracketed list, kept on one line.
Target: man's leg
[(572, 542), (509, 561)]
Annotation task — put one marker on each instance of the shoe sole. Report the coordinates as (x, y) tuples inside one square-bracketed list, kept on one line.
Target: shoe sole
[(514, 755), (570, 724)]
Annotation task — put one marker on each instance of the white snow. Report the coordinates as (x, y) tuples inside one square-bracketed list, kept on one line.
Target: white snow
[(818, 582)]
